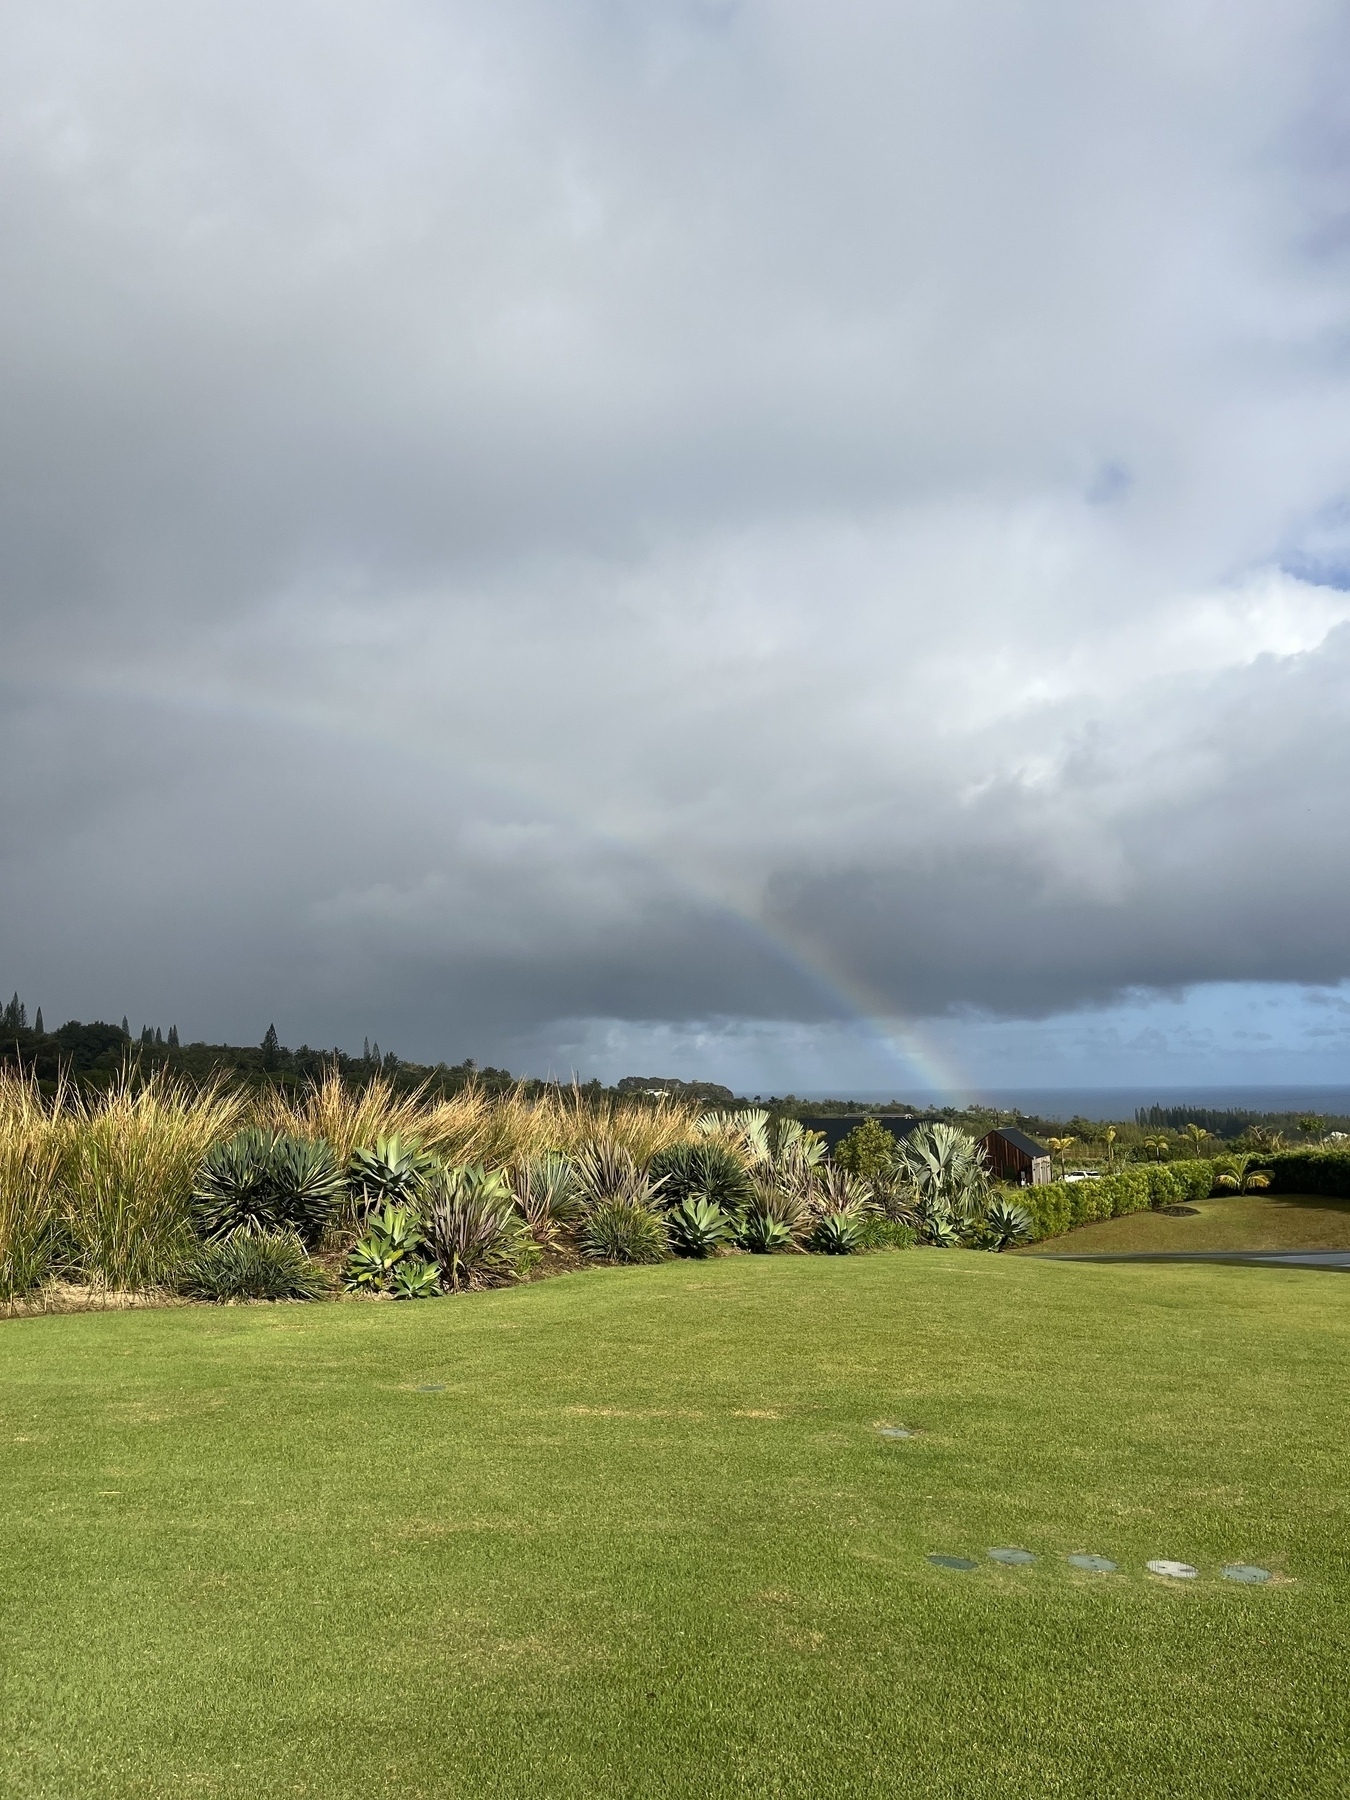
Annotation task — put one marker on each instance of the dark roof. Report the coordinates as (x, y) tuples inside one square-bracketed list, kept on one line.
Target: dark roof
[(1018, 1139), (834, 1126)]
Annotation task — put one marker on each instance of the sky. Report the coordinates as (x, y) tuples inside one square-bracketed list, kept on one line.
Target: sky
[(804, 545)]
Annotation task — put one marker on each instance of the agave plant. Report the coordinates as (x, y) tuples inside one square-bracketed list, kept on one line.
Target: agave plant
[(391, 1238), (414, 1279), (548, 1195), (391, 1172), (617, 1231), (707, 1171), (474, 1231), (699, 1226), (266, 1181), (763, 1234), (840, 1232), (1004, 1225)]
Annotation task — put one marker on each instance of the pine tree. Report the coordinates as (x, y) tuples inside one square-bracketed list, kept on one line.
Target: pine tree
[(365, 1050), (38, 1025), (375, 1052), (173, 1037), (271, 1048), (9, 1019), (159, 1038), (126, 1029)]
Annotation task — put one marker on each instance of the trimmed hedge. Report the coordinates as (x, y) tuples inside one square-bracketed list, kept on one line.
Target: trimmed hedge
[(1058, 1206), (1308, 1172)]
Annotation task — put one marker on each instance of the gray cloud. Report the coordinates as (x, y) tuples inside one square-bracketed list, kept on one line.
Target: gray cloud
[(519, 515)]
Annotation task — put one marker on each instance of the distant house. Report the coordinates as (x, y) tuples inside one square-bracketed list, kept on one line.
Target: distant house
[(1013, 1156)]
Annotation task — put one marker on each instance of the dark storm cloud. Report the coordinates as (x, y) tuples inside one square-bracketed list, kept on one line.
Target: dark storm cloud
[(530, 513)]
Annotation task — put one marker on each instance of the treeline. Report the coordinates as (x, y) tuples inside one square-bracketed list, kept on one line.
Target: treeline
[(1234, 1122), (94, 1054)]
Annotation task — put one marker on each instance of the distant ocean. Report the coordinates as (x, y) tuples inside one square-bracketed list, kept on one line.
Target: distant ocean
[(1121, 1103)]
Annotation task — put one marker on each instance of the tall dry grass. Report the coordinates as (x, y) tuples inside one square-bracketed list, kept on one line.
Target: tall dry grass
[(350, 1118), (131, 1156), (497, 1130), (32, 1153)]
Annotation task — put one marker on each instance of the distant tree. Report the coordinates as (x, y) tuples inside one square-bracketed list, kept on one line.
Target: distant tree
[(1196, 1134), (15, 1016), (1109, 1138), (38, 1026), (365, 1050), (159, 1038), (271, 1048), (173, 1037), (1158, 1145), (374, 1052), (1311, 1126), (1061, 1146), (126, 1029), (868, 1151)]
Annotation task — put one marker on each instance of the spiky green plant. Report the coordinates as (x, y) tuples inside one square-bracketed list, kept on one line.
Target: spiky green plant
[(1005, 1225), (414, 1279), (254, 1265), (838, 1233), (548, 1196), (619, 1231), (763, 1234), (473, 1230), (393, 1171), (607, 1171), (707, 1170), (267, 1181), (698, 1226), (392, 1236)]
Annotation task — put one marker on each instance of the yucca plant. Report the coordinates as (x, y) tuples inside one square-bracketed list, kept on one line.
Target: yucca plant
[(698, 1226), (938, 1168), (619, 1231), (132, 1155), (267, 1181), (473, 1230), (32, 1152), (707, 1170), (548, 1196), (607, 1171), (254, 1265)]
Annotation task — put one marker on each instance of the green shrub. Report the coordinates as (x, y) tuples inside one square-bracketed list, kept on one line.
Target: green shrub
[(879, 1233), (548, 1195), (867, 1151), (617, 1231), (706, 1170), (267, 1181), (1058, 1206), (254, 1265), (698, 1227), (1309, 1172)]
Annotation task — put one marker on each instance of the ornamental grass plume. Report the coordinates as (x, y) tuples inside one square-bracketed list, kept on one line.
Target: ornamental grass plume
[(348, 1118), (131, 1157), (32, 1153)]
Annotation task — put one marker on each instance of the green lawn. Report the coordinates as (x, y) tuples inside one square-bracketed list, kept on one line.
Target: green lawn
[(647, 1540), (1246, 1222)]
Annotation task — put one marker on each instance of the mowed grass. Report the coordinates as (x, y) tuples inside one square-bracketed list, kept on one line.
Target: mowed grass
[(1245, 1222), (647, 1540)]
